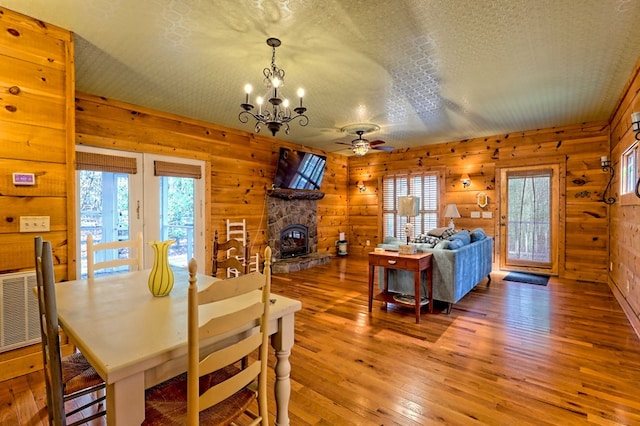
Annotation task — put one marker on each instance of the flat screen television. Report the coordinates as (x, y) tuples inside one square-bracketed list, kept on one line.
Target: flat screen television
[(299, 170)]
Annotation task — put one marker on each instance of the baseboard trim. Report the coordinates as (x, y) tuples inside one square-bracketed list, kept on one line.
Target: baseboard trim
[(626, 308)]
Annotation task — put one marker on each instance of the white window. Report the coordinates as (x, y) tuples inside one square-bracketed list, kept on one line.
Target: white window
[(629, 168), (423, 186)]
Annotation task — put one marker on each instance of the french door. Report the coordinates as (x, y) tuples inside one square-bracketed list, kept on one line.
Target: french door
[(122, 193), (529, 218)]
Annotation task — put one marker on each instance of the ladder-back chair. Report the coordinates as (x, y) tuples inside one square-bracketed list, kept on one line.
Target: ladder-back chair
[(215, 391), (235, 261), (134, 254), (67, 378)]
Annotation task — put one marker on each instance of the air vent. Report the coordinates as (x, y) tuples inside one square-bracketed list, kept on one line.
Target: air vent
[(19, 323)]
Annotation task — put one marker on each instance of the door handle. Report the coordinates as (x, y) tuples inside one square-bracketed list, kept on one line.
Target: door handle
[(392, 262)]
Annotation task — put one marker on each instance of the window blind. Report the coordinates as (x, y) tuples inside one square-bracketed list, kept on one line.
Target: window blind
[(105, 163), (165, 168)]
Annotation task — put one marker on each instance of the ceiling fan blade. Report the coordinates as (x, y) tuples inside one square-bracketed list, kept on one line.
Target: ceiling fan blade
[(345, 143), (383, 148), (376, 142)]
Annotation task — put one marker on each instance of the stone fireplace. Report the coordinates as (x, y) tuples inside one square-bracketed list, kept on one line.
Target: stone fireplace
[(292, 229)]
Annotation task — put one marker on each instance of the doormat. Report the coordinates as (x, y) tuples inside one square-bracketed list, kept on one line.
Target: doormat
[(519, 277)]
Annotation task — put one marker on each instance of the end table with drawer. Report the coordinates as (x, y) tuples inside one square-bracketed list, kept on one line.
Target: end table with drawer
[(408, 262)]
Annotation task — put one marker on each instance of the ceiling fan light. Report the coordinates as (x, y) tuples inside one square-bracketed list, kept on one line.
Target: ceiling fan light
[(360, 148)]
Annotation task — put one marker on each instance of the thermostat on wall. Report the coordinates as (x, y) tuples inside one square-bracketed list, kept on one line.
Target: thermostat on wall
[(24, 179)]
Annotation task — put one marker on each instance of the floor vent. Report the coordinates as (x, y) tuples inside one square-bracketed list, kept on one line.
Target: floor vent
[(19, 323)]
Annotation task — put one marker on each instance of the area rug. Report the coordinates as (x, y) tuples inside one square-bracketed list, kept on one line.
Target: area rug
[(520, 277)]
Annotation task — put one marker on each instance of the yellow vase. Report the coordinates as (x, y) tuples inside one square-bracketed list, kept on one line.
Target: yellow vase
[(161, 275)]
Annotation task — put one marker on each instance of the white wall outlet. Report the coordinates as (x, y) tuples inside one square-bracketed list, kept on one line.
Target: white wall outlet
[(487, 215), (34, 223), (475, 215)]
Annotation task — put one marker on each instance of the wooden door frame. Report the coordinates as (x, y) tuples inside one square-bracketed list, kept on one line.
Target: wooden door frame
[(558, 260)]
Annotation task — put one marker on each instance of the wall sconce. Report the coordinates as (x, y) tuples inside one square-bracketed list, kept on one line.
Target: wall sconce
[(466, 180), (606, 167), (360, 186)]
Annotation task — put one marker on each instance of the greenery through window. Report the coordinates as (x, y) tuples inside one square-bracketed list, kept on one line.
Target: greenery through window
[(425, 187), (629, 169)]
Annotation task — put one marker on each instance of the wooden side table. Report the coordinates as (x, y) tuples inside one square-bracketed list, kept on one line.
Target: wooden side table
[(409, 262)]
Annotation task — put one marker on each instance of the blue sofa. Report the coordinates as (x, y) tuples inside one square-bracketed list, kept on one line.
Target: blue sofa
[(459, 263)]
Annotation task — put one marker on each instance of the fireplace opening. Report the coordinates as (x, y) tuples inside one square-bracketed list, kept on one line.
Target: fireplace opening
[(294, 241)]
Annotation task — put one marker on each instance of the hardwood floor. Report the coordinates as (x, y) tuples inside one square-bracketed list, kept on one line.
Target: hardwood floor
[(508, 353)]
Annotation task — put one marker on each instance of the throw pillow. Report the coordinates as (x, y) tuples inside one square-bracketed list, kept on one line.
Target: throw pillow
[(478, 234), (437, 232), (463, 236)]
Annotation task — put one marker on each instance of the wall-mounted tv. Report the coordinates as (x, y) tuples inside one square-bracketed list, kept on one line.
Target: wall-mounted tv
[(299, 169)]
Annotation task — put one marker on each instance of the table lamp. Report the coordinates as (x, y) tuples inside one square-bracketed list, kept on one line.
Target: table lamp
[(451, 211), (408, 206)]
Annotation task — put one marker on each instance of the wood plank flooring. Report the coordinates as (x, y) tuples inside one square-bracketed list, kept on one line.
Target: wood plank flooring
[(509, 353)]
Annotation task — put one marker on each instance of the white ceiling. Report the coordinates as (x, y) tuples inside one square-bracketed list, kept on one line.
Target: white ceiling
[(425, 71)]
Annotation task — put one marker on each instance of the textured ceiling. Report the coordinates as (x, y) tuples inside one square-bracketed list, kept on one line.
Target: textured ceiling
[(424, 71)]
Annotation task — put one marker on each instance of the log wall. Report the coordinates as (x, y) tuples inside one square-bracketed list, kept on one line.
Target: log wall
[(584, 243)]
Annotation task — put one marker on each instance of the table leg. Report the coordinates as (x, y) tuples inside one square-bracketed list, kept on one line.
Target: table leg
[(125, 401), (282, 341), (371, 273), (430, 288), (416, 294)]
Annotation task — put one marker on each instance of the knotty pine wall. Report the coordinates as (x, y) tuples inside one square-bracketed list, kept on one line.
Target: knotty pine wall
[(240, 165), (584, 230), (36, 136), (625, 213), (36, 119)]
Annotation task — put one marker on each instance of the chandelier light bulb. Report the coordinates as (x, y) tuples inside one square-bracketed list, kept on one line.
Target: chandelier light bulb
[(248, 89), (276, 82), (285, 103)]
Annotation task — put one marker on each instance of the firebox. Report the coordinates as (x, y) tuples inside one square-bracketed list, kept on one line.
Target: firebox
[(294, 241)]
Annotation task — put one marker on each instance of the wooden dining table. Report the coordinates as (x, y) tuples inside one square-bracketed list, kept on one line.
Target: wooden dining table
[(135, 340)]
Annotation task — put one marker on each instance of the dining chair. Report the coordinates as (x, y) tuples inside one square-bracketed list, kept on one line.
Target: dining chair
[(66, 378), (236, 262), (109, 247), (238, 231), (215, 391)]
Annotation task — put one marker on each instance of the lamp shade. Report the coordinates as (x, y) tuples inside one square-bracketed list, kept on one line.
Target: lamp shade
[(451, 211), (409, 206)]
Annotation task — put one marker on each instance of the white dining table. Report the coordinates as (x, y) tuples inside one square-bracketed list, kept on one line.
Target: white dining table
[(135, 340)]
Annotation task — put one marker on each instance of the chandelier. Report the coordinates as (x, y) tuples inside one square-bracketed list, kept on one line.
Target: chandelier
[(276, 113)]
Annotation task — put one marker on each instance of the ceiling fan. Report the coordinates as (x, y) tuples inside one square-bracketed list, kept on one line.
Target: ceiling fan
[(361, 146)]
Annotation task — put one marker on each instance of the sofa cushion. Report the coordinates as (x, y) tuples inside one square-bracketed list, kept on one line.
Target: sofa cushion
[(477, 235), (449, 245), (463, 236)]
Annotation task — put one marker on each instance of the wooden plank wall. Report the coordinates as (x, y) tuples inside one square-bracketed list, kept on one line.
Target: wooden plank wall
[(241, 164), (37, 136), (584, 244), (625, 213), (36, 118)]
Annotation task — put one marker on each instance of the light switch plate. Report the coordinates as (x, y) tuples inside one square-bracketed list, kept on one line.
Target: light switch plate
[(487, 215), (35, 223), (475, 215)]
